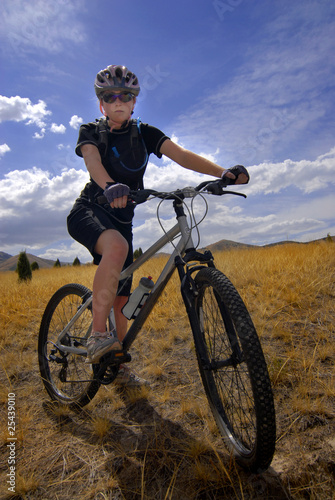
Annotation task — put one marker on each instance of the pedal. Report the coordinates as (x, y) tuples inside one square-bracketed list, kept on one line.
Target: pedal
[(115, 357), (107, 368)]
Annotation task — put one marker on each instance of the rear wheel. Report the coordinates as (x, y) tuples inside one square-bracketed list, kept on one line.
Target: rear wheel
[(234, 371), (66, 376)]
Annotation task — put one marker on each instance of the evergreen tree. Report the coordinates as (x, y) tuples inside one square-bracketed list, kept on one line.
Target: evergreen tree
[(23, 267), (138, 253), (57, 263), (34, 266), (76, 262)]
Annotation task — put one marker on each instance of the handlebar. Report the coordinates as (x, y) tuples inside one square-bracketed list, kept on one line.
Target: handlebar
[(211, 187)]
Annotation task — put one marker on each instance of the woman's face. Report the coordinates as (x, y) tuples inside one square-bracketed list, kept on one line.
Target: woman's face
[(118, 112)]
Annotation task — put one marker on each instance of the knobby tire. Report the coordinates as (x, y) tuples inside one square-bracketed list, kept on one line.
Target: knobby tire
[(234, 371)]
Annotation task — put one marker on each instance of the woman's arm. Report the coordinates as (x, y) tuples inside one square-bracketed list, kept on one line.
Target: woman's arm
[(190, 160), (94, 166), (99, 174)]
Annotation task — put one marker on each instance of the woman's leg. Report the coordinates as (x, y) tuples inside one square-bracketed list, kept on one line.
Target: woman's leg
[(120, 320), (113, 249)]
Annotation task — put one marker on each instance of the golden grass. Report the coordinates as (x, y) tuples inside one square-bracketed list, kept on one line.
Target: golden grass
[(162, 442)]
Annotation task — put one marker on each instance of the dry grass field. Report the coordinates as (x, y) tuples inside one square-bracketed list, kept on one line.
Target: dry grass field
[(161, 442)]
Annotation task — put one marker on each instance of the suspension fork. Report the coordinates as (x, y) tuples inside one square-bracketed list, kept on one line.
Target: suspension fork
[(188, 287), (189, 293)]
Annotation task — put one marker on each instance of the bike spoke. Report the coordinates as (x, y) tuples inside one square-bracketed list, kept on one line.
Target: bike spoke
[(65, 374)]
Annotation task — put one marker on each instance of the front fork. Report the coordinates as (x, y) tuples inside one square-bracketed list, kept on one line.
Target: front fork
[(189, 293), (185, 271), (189, 290)]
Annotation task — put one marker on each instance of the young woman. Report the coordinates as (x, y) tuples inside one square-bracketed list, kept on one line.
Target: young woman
[(116, 151)]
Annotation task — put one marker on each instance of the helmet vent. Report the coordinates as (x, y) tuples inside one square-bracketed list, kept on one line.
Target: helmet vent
[(118, 73)]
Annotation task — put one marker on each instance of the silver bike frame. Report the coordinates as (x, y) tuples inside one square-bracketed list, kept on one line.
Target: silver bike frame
[(182, 245)]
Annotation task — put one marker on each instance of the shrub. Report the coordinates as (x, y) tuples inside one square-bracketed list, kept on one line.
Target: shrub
[(23, 267), (138, 253)]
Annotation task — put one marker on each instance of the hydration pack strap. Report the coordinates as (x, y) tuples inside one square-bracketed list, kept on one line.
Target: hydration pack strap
[(137, 144)]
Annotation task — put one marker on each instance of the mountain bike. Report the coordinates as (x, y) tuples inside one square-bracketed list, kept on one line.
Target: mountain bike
[(231, 363)]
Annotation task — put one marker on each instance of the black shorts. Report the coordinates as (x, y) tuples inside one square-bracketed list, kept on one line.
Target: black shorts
[(87, 221)]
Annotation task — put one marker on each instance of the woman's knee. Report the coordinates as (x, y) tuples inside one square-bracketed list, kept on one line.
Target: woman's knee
[(112, 243)]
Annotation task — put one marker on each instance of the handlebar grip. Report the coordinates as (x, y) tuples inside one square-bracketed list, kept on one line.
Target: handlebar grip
[(213, 187)]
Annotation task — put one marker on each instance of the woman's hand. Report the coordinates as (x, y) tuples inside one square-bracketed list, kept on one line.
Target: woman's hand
[(117, 194), (236, 175)]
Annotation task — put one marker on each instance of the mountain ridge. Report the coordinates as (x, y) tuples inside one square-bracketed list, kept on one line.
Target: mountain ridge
[(9, 262)]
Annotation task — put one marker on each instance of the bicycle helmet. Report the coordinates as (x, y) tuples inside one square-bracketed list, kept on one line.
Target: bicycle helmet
[(117, 78)]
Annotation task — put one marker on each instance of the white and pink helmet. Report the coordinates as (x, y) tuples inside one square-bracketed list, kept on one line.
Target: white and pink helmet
[(117, 78)]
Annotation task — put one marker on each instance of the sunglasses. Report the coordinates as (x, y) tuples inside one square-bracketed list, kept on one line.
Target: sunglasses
[(124, 97)]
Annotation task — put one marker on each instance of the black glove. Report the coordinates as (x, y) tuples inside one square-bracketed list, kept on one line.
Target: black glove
[(116, 190), (236, 170)]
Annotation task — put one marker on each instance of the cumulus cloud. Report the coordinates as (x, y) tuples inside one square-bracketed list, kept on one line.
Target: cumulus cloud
[(39, 135), (21, 109), (307, 176), (34, 205), (66, 252), (75, 121), (272, 210), (57, 129), (4, 148)]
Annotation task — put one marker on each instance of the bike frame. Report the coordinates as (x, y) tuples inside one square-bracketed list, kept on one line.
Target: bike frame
[(184, 245)]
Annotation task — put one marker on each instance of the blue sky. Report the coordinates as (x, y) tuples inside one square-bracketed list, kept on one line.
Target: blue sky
[(236, 81)]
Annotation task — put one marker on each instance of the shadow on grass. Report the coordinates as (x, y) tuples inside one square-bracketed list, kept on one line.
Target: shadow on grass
[(152, 457)]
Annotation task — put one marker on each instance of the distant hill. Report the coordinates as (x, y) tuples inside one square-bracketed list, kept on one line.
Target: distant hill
[(230, 245), (4, 256), (10, 263), (227, 245)]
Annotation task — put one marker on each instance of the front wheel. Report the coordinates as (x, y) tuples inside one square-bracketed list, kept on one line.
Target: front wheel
[(66, 376), (234, 372)]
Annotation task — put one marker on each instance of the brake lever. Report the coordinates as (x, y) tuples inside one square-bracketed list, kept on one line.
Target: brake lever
[(141, 196), (215, 187)]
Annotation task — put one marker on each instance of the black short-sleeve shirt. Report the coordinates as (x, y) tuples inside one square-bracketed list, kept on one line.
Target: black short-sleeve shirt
[(88, 219), (132, 169), (152, 136)]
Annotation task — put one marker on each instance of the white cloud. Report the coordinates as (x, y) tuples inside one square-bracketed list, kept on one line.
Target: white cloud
[(34, 205), (57, 129), (21, 109), (75, 121), (287, 200), (66, 252), (170, 176), (4, 148), (307, 176), (39, 135)]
